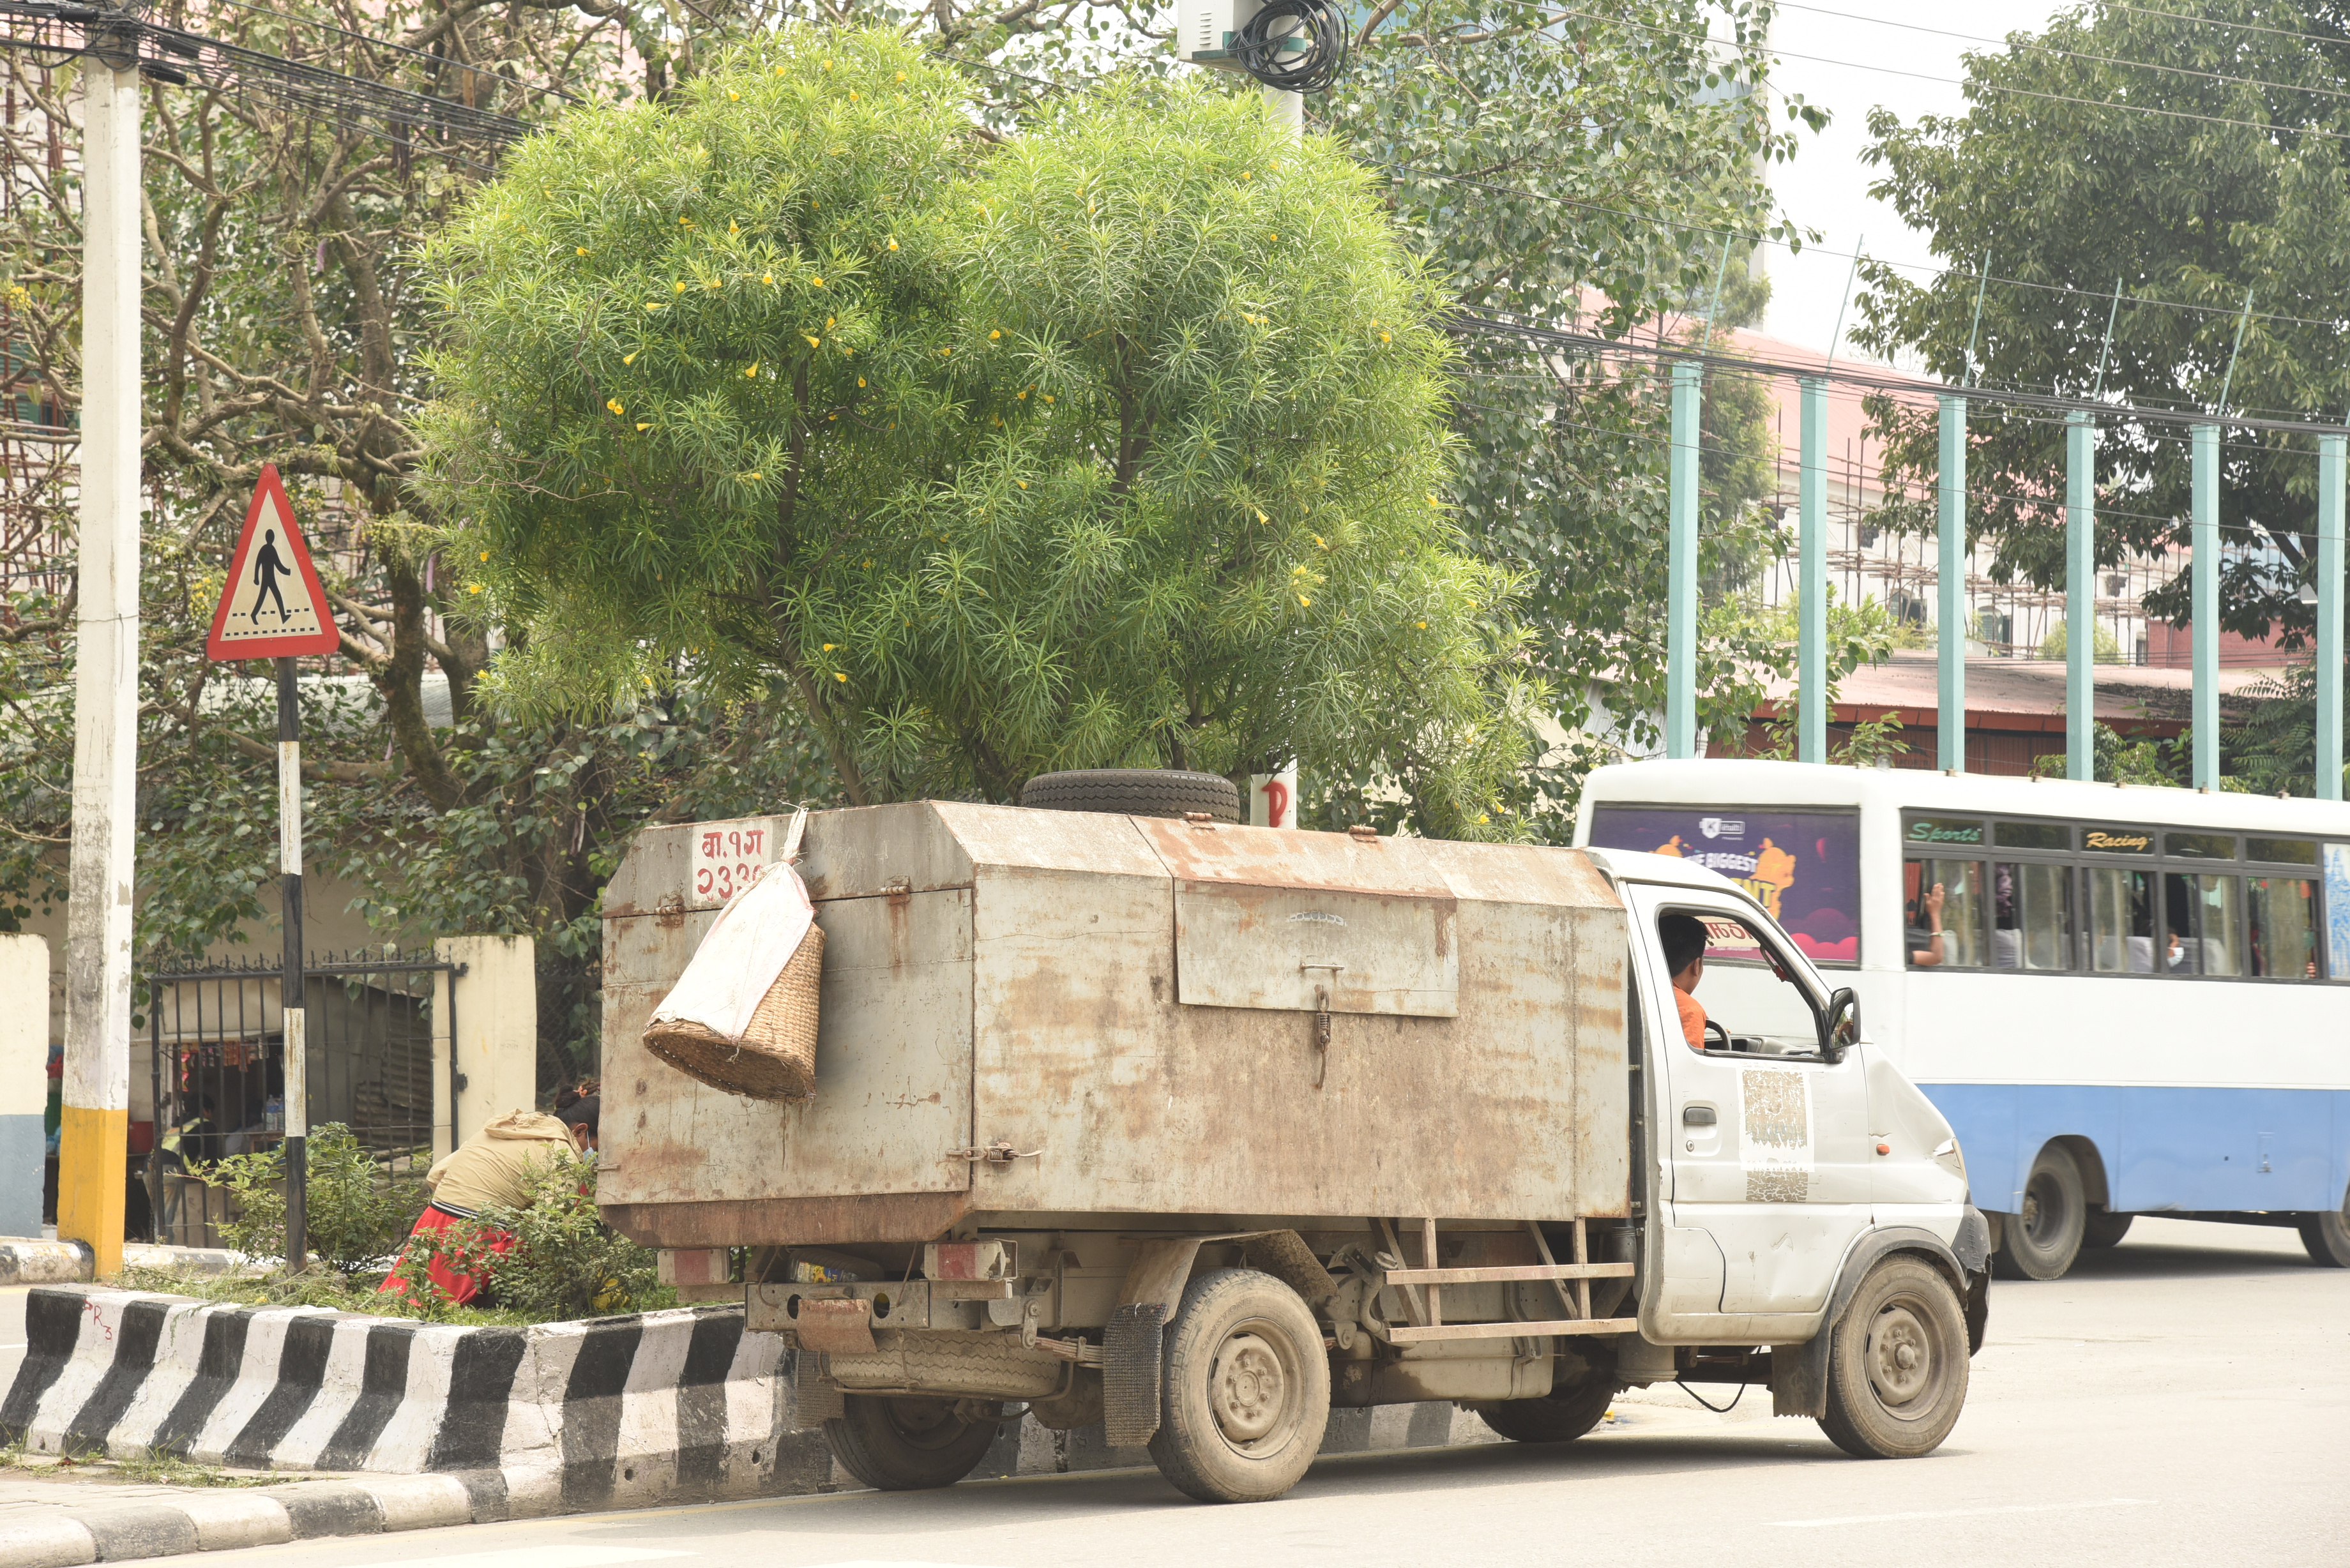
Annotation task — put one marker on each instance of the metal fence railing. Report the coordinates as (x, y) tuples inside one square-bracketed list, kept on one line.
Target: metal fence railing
[(380, 1027)]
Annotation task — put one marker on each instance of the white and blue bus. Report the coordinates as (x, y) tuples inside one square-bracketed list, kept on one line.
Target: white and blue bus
[(2126, 1000)]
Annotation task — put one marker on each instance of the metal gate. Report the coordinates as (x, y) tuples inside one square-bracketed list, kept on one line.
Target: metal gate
[(380, 1030)]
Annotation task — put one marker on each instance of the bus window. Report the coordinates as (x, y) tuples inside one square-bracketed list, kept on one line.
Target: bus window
[(1958, 922), (2203, 924), (2282, 851), (2121, 920), (2284, 912), (2031, 916)]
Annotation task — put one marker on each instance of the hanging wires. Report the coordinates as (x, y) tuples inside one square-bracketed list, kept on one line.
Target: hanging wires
[(1295, 45)]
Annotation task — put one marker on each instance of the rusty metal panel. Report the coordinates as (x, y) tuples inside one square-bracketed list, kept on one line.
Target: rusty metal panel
[(1309, 949), (1143, 1107), (870, 851), (893, 1049)]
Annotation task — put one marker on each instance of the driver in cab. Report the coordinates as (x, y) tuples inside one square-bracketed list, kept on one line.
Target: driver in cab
[(1683, 938)]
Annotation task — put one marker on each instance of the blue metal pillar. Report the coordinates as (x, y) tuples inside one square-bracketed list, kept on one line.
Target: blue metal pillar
[(2330, 452), (2080, 595), (1680, 589), (1951, 591), (1812, 577), (2203, 602)]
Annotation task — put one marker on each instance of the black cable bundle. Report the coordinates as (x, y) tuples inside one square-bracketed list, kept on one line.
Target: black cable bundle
[(1319, 25)]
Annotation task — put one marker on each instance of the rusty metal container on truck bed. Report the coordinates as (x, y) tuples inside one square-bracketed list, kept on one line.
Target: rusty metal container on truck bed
[(1142, 1017)]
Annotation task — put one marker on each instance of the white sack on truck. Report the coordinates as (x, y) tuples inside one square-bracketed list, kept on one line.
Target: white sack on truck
[(742, 1016)]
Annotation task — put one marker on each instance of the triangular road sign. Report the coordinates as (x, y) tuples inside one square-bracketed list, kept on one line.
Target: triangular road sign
[(272, 604)]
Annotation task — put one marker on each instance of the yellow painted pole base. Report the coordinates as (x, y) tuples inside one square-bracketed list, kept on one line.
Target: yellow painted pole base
[(93, 1153)]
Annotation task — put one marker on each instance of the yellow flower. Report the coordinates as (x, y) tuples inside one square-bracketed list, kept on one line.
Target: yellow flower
[(1021, 482), (893, 245), (731, 94), (711, 284), (473, 588), (1244, 174), (1421, 624), (779, 70), (832, 416), (995, 334), (1384, 337), (830, 646), (730, 225), (1276, 239), (820, 283), (813, 342), (827, 65), (1048, 397), (768, 277), (685, 222), (1263, 519), (901, 76), (753, 373), (754, 476), (1318, 540), (1023, 398), (828, 324), (630, 358), (1296, 571), (1305, 603), (852, 97), (614, 404), (839, 677), (860, 382), (653, 304), (582, 249), (644, 427), (678, 287), (486, 555), (944, 352), (1482, 819)]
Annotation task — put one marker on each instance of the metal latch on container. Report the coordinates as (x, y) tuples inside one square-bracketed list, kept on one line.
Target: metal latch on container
[(1322, 1018), (997, 1153)]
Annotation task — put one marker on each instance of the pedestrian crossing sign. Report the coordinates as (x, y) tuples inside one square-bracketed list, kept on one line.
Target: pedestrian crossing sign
[(272, 607)]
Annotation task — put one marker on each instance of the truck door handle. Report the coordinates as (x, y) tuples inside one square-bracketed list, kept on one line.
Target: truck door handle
[(1697, 1116)]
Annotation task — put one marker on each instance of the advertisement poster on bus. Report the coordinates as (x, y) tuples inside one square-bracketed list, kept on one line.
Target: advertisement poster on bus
[(1803, 866), (2337, 911)]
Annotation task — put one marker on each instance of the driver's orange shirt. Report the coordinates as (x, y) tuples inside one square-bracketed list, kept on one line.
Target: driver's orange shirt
[(1693, 1018)]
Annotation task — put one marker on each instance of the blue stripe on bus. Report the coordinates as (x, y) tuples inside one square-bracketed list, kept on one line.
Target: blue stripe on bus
[(2178, 1149)]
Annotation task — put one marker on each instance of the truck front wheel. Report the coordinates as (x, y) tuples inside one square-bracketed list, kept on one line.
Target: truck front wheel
[(1898, 1364), (2327, 1237), (1247, 1392), (906, 1445)]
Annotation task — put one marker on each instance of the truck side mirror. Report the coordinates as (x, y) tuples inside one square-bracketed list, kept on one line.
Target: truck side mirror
[(1839, 1024)]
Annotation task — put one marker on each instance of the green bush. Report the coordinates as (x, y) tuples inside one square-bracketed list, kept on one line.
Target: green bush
[(562, 1261), (356, 1217)]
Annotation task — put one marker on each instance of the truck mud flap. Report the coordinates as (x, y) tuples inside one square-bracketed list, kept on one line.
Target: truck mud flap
[(1134, 1349)]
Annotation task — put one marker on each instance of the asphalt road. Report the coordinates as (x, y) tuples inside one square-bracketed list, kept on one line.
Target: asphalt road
[(2183, 1398)]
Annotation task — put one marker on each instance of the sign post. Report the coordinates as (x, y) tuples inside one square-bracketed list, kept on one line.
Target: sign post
[(272, 607)]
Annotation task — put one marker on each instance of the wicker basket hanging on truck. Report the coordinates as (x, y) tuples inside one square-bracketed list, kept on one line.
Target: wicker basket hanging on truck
[(736, 1021)]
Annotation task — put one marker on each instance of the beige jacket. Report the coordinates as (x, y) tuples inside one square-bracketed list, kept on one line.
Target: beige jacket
[(496, 1165)]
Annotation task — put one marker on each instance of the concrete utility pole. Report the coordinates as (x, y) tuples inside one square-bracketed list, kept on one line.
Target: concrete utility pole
[(93, 1146), (1288, 109)]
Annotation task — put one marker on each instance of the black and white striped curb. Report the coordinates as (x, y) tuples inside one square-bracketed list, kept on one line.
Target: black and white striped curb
[(452, 1424)]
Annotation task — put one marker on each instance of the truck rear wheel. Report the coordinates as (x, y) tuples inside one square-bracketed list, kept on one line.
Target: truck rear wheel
[(906, 1445), (2105, 1228), (2042, 1242), (1247, 1391), (1561, 1417), (1898, 1364), (2327, 1237)]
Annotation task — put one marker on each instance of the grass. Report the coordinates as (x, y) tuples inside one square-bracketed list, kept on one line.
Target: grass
[(149, 1466), (322, 1287)]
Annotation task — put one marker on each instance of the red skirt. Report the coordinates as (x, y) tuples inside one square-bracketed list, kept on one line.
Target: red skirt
[(459, 1288)]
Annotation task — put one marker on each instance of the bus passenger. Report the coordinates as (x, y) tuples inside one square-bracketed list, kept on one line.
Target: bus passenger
[(1926, 934)]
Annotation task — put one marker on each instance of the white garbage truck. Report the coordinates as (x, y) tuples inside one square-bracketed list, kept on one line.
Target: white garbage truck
[(1197, 1130)]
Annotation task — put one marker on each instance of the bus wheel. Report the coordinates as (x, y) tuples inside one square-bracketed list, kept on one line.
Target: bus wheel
[(1247, 1394), (1897, 1364), (2104, 1229), (2042, 1242), (908, 1445), (2327, 1237)]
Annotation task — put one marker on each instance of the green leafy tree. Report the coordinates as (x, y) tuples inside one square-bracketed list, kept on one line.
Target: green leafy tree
[(1120, 444), (2183, 157)]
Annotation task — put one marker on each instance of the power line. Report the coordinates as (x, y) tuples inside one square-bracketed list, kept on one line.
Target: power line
[(399, 48), (2222, 22), (2044, 47), (1956, 82)]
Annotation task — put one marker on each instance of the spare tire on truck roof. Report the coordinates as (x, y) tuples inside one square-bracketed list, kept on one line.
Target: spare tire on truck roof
[(1135, 791)]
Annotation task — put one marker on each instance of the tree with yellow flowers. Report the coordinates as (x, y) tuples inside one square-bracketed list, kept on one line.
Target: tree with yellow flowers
[(1121, 443)]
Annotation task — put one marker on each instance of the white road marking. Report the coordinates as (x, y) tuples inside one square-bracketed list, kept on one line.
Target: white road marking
[(556, 1555), (1965, 1513)]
